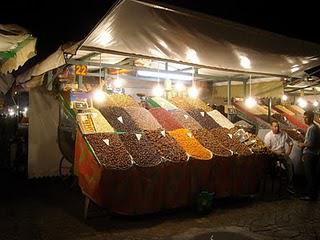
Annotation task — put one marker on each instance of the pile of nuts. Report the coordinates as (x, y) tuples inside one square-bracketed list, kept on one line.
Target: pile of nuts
[(197, 103), (209, 141), (165, 119), (167, 146), (181, 103), (121, 100), (112, 114), (143, 118), (233, 144), (203, 118), (143, 152), (110, 150), (294, 134), (185, 119)]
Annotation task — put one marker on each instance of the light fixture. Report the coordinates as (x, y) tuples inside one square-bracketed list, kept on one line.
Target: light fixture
[(315, 103), (250, 102), (144, 73), (180, 86), (245, 62), (193, 92), (158, 90), (99, 96), (25, 109), (118, 82), (302, 103), (284, 97)]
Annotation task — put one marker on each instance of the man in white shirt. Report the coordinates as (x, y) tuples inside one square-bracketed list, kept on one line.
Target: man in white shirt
[(276, 141)]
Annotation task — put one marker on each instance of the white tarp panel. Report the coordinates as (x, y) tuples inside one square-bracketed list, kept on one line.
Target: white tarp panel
[(137, 27), (43, 149), (11, 36)]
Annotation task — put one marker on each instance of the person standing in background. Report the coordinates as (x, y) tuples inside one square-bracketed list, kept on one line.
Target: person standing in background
[(310, 157)]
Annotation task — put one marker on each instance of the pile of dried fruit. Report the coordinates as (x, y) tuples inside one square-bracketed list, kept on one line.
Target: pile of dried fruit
[(141, 149), (188, 142), (203, 118), (167, 146), (110, 150), (209, 141), (119, 119)]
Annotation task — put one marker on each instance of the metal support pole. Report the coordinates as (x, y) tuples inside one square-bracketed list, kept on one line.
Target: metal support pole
[(245, 88), (229, 97), (269, 109)]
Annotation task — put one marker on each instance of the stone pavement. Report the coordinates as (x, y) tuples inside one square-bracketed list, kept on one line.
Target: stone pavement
[(49, 209)]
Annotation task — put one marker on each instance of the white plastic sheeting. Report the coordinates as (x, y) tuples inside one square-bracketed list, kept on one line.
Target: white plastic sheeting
[(43, 149), (10, 37), (189, 37)]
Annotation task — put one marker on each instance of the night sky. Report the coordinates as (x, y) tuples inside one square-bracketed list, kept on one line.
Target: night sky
[(57, 22)]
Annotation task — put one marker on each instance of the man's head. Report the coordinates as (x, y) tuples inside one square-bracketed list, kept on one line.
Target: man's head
[(308, 117), (275, 127)]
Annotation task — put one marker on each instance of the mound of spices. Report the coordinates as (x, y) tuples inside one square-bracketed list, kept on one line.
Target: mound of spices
[(181, 103), (165, 119), (110, 150), (188, 142), (197, 103)]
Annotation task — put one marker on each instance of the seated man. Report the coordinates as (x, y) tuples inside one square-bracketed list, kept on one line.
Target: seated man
[(276, 140)]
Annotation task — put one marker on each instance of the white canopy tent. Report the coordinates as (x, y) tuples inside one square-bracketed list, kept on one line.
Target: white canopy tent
[(139, 35)]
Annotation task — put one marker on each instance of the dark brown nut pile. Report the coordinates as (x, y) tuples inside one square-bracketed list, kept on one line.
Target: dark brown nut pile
[(165, 119), (143, 118), (209, 141), (294, 134), (185, 119), (230, 143), (181, 103), (143, 152), (114, 155), (197, 103), (281, 119), (121, 100), (112, 115), (203, 118), (167, 146)]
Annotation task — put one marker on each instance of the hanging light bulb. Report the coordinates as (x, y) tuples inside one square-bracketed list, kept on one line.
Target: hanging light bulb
[(99, 96), (315, 103), (250, 102), (118, 82), (284, 97), (193, 92), (158, 91), (180, 86), (302, 103)]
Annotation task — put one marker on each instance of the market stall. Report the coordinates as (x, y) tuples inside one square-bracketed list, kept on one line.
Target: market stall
[(144, 135)]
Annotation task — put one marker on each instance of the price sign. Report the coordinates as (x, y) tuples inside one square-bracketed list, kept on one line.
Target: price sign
[(81, 70)]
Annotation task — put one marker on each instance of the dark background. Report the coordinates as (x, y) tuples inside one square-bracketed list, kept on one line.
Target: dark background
[(57, 22)]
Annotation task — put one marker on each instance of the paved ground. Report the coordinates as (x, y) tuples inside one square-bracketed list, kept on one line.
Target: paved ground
[(49, 209)]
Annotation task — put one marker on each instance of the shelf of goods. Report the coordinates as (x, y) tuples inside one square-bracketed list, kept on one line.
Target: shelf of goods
[(161, 159), (292, 117)]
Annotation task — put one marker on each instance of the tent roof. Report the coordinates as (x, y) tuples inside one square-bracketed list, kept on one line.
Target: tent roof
[(171, 34), (17, 45)]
